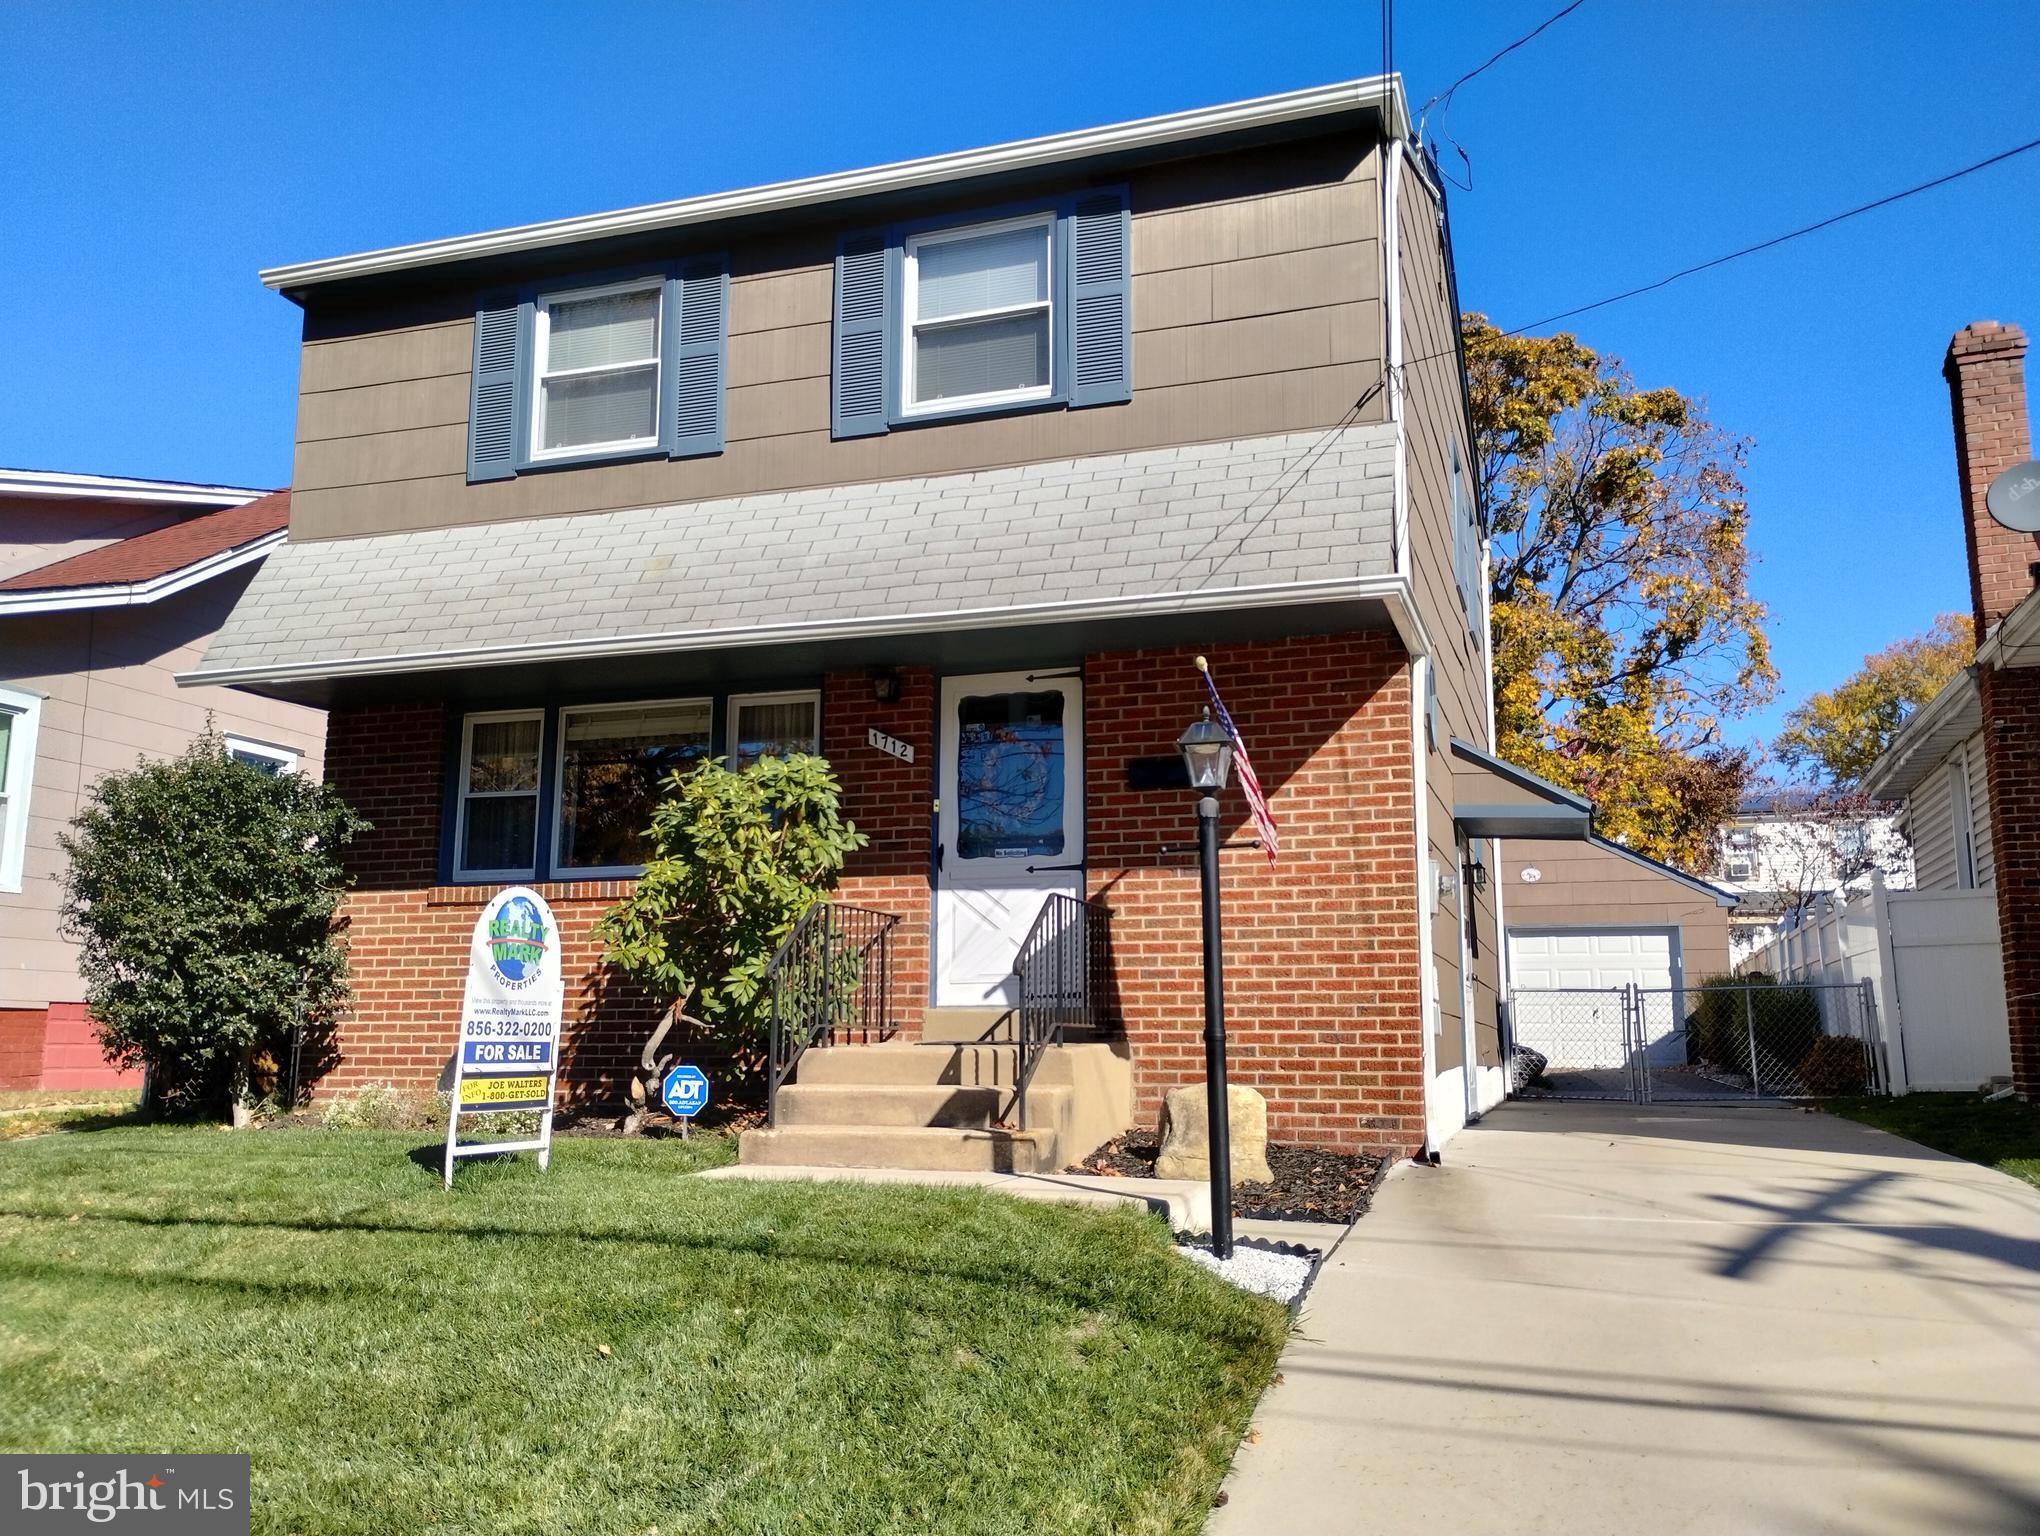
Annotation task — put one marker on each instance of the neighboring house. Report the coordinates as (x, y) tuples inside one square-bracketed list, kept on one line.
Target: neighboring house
[(1967, 764), (948, 469), (1595, 915), (108, 588), (1785, 848)]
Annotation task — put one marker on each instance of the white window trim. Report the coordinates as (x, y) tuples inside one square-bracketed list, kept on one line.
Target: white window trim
[(541, 340), (911, 304), (466, 771), (1961, 826), (559, 806), (285, 758), (737, 701), (26, 711)]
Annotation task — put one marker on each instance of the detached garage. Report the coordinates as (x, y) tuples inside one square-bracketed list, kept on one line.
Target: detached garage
[(1589, 917)]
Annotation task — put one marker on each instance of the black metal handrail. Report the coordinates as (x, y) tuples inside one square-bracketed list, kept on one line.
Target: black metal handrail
[(832, 975), (1062, 966)]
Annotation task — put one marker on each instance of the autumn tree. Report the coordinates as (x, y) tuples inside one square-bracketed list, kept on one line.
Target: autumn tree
[(1624, 630), (1836, 736)]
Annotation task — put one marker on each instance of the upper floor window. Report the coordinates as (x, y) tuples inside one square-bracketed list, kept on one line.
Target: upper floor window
[(978, 315), (596, 364), (19, 713)]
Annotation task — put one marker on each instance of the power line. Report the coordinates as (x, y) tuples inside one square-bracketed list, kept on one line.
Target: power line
[(1446, 95), (1776, 240)]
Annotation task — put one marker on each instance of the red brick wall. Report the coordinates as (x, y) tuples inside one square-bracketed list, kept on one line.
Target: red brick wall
[(1323, 1008), (893, 804), (21, 1047), (1986, 373), (2011, 750)]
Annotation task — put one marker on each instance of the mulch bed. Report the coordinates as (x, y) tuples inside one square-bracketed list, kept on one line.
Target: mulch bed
[(1311, 1184)]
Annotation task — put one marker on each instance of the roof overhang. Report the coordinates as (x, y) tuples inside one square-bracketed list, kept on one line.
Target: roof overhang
[(1491, 798), (1380, 94), (954, 640), (1923, 743), (50, 484), (131, 594), (2015, 643)]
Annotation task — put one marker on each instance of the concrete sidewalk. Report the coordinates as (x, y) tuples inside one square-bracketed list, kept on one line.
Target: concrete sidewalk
[(1604, 1319)]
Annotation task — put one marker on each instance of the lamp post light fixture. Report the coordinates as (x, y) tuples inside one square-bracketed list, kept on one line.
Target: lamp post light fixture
[(1207, 753)]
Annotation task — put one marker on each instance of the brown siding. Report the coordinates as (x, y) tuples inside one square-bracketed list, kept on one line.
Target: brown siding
[(1255, 310), (1436, 419), (1582, 886)]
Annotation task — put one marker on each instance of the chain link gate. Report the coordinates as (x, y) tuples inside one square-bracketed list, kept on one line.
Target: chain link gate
[(1719, 1040)]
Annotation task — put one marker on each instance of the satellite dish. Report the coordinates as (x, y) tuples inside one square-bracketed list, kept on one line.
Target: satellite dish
[(2014, 498)]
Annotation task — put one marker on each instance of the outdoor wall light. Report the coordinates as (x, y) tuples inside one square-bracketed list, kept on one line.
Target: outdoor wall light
[(885, 684), (1476, 868), (1207, 753)]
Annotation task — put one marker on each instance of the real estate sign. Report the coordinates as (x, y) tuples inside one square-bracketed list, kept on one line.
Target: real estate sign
[(509, 1024)]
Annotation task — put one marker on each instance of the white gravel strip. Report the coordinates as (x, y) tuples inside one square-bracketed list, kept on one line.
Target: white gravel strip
[(1277, 1275)]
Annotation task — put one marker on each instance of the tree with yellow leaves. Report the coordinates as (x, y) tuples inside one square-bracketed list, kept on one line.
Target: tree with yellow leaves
[(1624, 630), (1837, 735)]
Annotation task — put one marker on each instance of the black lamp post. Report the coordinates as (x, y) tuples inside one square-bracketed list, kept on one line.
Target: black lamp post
[(1207, 753)]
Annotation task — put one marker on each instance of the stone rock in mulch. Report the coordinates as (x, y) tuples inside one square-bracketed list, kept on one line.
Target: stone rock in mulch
[(1525, 1067), (1308, 1183), (1185, 1135)]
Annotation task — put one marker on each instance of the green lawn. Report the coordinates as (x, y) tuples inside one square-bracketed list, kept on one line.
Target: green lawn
[(782, 1357), (2004, 1135)]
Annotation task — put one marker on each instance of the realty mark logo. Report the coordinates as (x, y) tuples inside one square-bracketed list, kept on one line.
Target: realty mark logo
[(518, 942)]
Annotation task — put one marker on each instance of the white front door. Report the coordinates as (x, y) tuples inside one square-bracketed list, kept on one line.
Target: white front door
[(1011, 827)]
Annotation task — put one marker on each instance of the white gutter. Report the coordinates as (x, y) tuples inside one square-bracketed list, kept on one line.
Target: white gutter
[(1391, 591), (49, 483), (132, 594), (1923, 733), (1379, 93), (1392, 351)]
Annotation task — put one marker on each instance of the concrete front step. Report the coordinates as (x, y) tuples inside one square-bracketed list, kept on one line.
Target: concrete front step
[(843, 1146), (906, 1064), (989, 1024), (895, 1104)]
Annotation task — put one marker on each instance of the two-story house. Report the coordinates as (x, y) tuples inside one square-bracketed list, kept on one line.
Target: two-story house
[(947, 469)]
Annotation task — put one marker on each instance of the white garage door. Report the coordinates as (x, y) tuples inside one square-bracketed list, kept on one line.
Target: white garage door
[(1567, 1004)]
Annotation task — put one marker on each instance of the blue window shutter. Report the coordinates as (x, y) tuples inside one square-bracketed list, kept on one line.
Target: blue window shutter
[(493, 406), (696, 345), (1100, 268), (860, 384)]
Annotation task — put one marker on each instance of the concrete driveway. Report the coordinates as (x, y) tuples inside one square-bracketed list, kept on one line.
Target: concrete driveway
[(1601, 1318)]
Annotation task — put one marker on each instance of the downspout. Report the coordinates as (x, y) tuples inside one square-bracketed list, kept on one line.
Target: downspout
[(1420, 788)]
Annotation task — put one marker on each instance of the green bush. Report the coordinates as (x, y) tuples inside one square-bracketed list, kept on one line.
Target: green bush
[(202, 893), (1836, 1064), (737, 858), (1785, 1021)]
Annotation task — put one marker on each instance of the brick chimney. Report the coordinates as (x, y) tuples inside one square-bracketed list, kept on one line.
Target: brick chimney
[(1986, 373)]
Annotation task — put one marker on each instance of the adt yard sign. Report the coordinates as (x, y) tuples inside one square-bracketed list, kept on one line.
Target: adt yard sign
[(685, 1092), (509, 1024)]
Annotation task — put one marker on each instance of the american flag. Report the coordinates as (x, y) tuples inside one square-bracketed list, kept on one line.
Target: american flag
[(1264, 822)]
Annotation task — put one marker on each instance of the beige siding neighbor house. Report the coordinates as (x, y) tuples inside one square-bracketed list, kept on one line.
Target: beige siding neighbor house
[(108, 589)]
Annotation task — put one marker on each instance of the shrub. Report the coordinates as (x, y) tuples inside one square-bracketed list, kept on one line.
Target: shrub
[(1785, 1021), (737, 858), (202, 893), (381, 1107), (1836, 1064)]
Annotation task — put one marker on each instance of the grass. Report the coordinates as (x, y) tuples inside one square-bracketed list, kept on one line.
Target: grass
[(781, 1357), (57, 1098), (33, 1111), (2004, 1134)]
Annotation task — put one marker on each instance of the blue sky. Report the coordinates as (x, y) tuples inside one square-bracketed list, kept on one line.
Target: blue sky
[(156, 157)]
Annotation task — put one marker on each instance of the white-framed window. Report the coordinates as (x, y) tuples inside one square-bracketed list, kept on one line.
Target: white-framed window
[(614, 760), (773, 725), (595, 369), (19, 713), (978, 322), (261, 756), (496, 827)]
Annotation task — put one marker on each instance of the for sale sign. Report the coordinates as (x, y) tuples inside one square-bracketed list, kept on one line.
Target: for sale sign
[(509, 1024)]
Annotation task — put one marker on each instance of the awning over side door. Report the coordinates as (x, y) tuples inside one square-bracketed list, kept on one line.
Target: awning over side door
[(1491, 798)]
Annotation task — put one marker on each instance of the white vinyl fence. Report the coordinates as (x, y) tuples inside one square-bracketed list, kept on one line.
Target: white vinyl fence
[(1934, 961)]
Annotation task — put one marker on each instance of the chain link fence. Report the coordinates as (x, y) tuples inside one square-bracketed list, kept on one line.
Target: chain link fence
[(1724, 1039)]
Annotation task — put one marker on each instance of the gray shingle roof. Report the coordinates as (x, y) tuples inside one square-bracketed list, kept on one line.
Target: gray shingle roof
[(1308, 507)]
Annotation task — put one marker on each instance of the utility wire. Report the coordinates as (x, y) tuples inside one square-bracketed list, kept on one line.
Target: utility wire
[(1446, 95), (1776, 240)]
